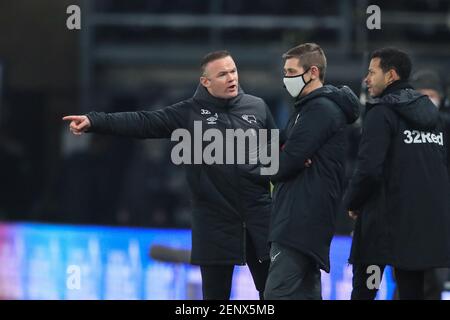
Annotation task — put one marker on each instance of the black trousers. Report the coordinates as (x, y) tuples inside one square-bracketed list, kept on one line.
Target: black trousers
[(410, 283), (292, 275), (217, 280)]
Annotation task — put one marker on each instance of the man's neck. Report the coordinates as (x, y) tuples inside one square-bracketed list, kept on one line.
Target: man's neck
[(311, 87), (394, 86)]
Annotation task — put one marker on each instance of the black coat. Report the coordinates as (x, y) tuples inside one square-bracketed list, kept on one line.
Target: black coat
[(401, 185), (228, 199), (306, 200)]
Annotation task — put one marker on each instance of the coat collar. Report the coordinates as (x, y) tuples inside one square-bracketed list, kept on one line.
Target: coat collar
[(203, 95)]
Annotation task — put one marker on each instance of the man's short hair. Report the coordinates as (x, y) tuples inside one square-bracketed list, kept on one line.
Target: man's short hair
[(392, 58), (213, 56), (309, 54)]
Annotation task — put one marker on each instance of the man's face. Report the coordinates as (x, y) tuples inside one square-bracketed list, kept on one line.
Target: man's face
[(376, 79), (293, 68), (221, 78)]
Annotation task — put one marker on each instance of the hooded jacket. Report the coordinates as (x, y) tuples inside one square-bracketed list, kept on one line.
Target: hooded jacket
[(228, 200), (400, 185), (306, 200)]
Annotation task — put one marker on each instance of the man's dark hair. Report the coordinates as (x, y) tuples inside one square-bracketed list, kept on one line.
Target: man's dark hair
[(213, 56), (309, 54), (392, 58)]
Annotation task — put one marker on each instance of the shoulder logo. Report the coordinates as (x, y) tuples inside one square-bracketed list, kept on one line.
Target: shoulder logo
[(250, 118), (205, 111), (272, 258)]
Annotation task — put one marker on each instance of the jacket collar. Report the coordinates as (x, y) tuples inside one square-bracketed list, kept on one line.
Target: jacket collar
[(202, 95), (395, 86)]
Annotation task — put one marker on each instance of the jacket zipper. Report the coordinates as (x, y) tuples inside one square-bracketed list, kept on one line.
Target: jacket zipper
[(241, 212)]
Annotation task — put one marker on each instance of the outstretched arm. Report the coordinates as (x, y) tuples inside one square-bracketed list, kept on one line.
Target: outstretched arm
[(141, 124)]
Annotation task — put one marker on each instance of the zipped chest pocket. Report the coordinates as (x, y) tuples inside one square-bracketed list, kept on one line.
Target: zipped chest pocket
[(292, 122)]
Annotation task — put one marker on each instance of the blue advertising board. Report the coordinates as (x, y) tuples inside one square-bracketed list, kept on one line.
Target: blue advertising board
[(40, 261)]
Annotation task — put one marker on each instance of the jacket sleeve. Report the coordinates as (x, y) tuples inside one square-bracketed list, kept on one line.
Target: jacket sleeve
[(373, 147), (310, 132), (445, 121), (270, 122), (141, 124), (271, 125)]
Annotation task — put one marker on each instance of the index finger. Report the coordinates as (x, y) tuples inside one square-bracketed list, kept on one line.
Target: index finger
[(70, 118)]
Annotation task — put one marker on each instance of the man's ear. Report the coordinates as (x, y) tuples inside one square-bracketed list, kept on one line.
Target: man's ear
[(314, 72), (205, 82), (393, 76)]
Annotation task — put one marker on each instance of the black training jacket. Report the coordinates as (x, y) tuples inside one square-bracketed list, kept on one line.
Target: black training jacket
[(401, 184), (229, 200), (306, 200)]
